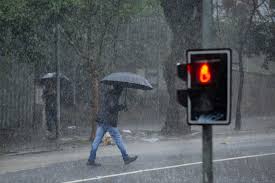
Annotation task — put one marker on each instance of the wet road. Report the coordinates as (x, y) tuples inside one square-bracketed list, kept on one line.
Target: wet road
[(238, 159)]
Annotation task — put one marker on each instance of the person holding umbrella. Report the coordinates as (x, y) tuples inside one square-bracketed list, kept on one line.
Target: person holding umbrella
[(49, 83), (49, 96), (107, 122), (107, 116)]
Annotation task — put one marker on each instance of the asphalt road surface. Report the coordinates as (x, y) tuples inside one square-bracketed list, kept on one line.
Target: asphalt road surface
[(246, 158)]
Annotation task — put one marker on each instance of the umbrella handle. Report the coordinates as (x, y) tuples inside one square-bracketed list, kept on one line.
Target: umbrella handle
[(125, 99)]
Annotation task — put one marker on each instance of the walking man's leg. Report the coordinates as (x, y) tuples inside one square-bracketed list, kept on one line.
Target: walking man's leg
[(100, 131), (114, 132)]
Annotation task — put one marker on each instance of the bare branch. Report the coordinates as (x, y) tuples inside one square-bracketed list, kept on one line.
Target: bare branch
[(72, 43), (253, 12), (259, 5), (270, 14)]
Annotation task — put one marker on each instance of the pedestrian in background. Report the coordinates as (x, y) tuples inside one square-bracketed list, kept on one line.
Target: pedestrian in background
[(49, 97)]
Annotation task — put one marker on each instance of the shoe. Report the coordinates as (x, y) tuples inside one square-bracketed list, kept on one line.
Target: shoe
[(92, 163), (130, 160)]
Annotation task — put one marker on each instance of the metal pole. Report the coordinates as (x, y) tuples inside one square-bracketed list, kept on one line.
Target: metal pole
[(207, 144), (207, 24), (207, 154), (57, 50)]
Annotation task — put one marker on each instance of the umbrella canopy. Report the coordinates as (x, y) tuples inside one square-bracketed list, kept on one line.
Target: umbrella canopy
[(52, 78), (127, 80), (66, 91), (52, 75)]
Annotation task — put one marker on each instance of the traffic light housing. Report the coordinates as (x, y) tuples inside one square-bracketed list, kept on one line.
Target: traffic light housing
[(208, 94)]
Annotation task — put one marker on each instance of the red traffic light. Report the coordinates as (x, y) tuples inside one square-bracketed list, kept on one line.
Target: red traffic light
[(204, 75), (208, 86)]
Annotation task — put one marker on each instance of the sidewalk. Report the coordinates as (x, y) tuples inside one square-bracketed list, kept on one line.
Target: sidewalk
[(258, 123), (172, 146), (77, 146), (140, 130)]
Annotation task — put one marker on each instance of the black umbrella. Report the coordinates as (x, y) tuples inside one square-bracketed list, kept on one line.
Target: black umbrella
[(52, 77), (66, 93), (127, 80)]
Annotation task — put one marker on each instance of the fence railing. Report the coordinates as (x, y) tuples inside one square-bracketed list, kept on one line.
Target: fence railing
[(17, 96)]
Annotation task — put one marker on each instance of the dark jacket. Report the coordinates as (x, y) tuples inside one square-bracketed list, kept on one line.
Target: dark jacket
[(50, 100), (109, 108)]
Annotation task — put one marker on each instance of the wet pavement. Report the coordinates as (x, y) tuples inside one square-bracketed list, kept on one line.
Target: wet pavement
[(239, 158)]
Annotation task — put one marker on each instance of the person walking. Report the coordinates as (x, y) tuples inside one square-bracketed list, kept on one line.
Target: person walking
[(107, 119)]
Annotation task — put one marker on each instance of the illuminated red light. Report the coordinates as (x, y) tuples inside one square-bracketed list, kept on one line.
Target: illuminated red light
[(204, 74), (189, 68)]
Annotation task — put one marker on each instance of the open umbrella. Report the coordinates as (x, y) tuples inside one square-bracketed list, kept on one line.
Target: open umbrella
[(127, 80), (52, 77), (66, 91)]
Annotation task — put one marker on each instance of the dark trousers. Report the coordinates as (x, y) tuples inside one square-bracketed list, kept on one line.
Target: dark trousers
[(51, 119)]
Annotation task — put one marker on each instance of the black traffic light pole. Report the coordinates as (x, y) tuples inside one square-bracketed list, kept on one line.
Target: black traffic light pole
[(197, 98), (207, 144), (207, 154)]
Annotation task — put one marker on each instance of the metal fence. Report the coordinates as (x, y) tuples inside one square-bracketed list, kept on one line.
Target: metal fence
[(17, 96)]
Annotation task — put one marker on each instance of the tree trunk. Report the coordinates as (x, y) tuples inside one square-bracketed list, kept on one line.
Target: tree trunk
[(243, 40), (94, 63), (93, 75), (184, 19), (238, 123), (172, 121), (95, 100)]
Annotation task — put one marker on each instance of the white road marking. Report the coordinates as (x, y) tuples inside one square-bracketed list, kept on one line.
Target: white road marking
[(166, 167)]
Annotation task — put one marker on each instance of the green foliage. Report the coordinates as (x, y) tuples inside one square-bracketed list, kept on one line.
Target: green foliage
[(248, 29), (12, 10), (242, 27), (26, 28)]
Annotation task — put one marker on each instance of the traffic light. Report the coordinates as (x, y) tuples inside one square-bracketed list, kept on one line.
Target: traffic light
[(208, 93)]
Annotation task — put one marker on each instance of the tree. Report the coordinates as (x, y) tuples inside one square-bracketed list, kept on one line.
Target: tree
[(266, 31), (96, 21), (184, 19), (237, 30), (19, 39)]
